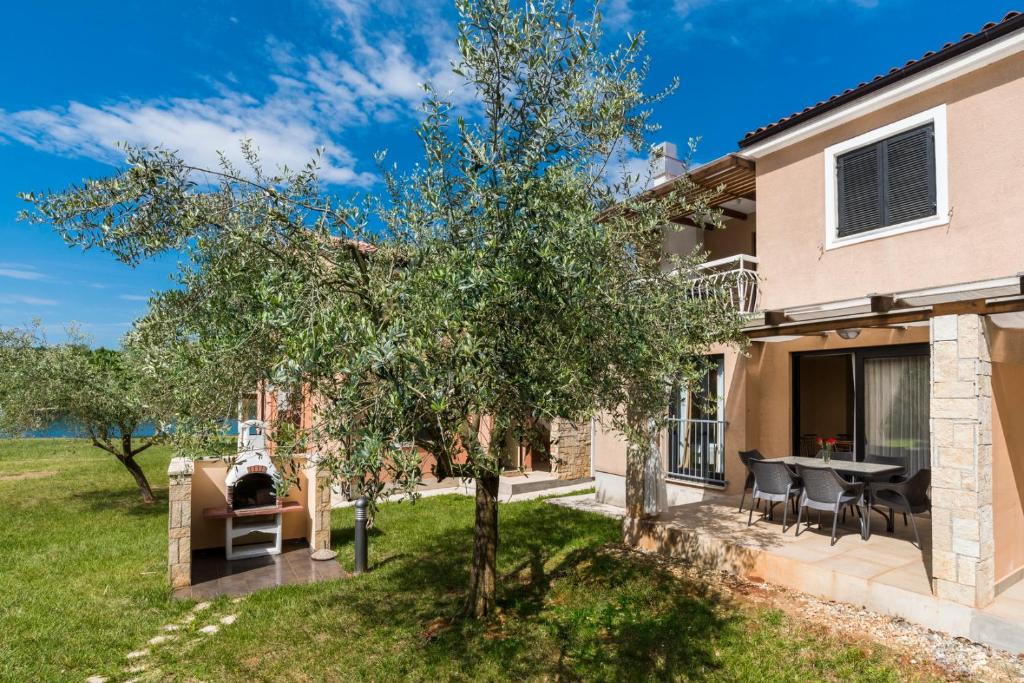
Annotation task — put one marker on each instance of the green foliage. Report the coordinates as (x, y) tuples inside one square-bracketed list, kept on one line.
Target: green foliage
[(98, 389), (503, 278), (503, 282), (103, 392)]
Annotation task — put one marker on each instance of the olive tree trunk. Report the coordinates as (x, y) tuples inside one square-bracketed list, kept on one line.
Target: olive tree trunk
[(483, 578), (140, 478)]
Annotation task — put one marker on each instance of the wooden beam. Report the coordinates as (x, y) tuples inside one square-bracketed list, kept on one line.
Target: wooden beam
[(882, 303), (775, 318), (733, 213), (844, 324), (977, 306)]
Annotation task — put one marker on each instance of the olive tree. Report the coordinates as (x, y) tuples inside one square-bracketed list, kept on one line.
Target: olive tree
[(504, 281), (99, 391)]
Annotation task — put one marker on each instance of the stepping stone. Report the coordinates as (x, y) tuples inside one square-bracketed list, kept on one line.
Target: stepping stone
[(96, 679), (235, 601), (137, 653), (157, 640), (171, 627), (229, 619), (210, 630), (200, 607), (137, 669)]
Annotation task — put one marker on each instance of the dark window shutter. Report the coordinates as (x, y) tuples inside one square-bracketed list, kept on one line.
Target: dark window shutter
[(886, 183), (860, 193), (910, 175)]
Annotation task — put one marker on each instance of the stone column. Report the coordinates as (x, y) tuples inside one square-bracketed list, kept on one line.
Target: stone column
[(179, 522), (322, 513), (963, 547), (570, 449)]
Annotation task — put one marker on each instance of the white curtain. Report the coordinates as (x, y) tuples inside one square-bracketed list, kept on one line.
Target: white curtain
[(896, 409)]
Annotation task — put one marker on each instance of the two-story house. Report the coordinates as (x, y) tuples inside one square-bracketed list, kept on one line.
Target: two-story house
[(884, 227)]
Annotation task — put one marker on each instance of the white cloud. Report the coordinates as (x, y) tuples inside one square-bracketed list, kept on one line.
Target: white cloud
[(372, 77), (618, 14), (21, 274), (283, 126), (133, 297), (26, 300)]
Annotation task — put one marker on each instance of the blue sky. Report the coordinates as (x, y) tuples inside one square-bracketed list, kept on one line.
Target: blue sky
[(297, 74)]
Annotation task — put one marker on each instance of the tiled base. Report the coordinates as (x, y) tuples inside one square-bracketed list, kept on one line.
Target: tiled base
[(886, 574), (213, 575)]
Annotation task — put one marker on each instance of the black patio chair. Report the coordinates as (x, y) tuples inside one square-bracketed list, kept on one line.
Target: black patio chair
[(908, 495), (824, 490), (745, 458), (774, 483)]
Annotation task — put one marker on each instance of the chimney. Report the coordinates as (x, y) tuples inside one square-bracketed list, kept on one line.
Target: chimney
[(666, 163)]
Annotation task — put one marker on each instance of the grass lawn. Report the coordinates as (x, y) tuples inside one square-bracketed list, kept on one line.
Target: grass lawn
[(82, 565)]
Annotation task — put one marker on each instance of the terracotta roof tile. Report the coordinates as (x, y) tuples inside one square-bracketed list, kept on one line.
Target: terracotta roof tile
[(990, 31)]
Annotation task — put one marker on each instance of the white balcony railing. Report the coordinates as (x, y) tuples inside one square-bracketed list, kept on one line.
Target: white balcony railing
[(736, 276)]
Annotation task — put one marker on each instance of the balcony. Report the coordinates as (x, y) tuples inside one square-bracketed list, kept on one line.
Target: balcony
[(738, 275)]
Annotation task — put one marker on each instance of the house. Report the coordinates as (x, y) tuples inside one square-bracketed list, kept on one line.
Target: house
[(877, 245)]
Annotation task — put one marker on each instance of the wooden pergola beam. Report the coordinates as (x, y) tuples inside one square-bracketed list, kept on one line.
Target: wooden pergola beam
[(733, 213), (774, 328), (882, 303)]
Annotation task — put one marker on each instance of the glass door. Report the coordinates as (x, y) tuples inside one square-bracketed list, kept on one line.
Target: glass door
[(895, 410)]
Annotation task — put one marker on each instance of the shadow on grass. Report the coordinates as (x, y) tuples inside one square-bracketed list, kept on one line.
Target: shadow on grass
[(126, 500), (346, 535), (567, 612)]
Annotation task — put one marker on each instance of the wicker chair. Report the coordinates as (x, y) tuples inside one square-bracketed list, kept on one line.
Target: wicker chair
[(908, 495), (824, 490), (773, 483), (745, 458)]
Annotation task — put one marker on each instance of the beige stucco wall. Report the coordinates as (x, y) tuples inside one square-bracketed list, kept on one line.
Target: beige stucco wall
[(982, 240), (1008, 450), (758, 400), (735, 237), (208, 491)]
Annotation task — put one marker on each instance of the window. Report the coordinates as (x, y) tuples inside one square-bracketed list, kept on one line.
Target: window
[(696, 447), (887, 181)]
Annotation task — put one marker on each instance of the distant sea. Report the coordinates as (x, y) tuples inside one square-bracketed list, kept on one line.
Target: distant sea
[(69, 429)]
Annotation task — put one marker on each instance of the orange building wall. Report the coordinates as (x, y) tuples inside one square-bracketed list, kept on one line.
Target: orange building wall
[(1008, 450), (982, 240)]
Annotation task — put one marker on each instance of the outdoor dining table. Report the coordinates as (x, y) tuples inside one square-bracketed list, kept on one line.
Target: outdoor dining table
[(851, 468)]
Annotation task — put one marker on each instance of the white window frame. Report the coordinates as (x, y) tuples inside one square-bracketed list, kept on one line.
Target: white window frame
[(935, 116)]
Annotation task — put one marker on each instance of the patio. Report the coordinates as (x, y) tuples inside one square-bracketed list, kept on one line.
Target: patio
[(886, 573)]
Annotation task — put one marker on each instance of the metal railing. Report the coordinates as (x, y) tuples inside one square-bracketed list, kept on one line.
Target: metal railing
[(735, 276), (696, 450)]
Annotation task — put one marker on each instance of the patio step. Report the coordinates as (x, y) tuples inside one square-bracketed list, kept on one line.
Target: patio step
[(532, 482)]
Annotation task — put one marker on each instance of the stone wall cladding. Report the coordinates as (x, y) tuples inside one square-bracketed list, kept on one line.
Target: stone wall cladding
[(179, 523), (570, 449), (963, 547), (322, 515)]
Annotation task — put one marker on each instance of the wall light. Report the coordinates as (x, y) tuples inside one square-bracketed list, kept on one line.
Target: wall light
[(848, 334)]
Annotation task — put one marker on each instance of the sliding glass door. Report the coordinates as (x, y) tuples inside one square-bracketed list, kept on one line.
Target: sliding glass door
[(895, 408), (883, 403)]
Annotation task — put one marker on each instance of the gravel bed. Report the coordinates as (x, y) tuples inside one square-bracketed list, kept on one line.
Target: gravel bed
[(957, 658)]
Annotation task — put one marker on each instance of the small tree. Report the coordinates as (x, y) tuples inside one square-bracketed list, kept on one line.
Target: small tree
[(503, 282), (97, 390)]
